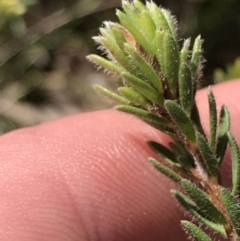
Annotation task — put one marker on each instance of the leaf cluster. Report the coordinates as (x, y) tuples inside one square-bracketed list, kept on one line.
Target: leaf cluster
[(160, 78)]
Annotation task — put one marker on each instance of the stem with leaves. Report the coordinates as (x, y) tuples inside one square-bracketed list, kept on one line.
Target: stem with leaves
[(160, 80)]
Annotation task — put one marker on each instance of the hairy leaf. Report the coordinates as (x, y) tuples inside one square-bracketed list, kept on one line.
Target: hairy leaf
[(133, 96), (196, 55), (184, 200), (163, 152), (166, 171), (171, 62), (222, 138), (159, 49), (144, 88), (181, 119), (129, 25), (204, 206), (183, 156), (233, 207), (190, 206), (116, 31), (140, 6), (162, 18), (111, 95), (163, 128), (148, 26), (113, 49), (143, 114), (153, 120), (172, 23), (235, 153), (185, 82), (195, 232), (184, 55), (195, 117), (108, 65), (145, 67), (207, 154), (213, 119), (141, 18)]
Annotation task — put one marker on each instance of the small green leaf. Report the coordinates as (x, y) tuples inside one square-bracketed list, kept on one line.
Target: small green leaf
[(219, 228), (213, 119), (159, 49), (116, 30), (144, 88), (114, 51), (133, 9), (111, 95), (185, 201), (166, 171), (204, 206), (162, 18), (195, 232), (130, 26), (233, 208), (185, 88), (190, 206), (153, 120), (145, 67), (102, 62), (185, 82), (148, 26), (141, 18), (180, 118), (182, 155), (207, 154), (171, 62), (196, 55), (163, 128), (222, 139), (140, 6), (163, 152), (133, 96), (184, 55), (195, 117), (131, 12), (235, 153), (143, 114), (172, 22)]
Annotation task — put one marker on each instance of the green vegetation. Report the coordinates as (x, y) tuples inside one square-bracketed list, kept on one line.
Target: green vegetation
[(160, 76), (43, 44)]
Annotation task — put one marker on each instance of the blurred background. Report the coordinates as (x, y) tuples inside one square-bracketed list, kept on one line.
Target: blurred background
[(43, 44)]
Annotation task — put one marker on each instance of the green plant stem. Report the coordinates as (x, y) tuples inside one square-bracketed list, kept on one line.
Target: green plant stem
[(212, 187)]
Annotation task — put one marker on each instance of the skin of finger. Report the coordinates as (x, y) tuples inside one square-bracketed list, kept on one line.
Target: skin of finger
[(87, 177)]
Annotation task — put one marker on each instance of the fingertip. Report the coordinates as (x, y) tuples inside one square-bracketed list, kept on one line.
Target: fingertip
[(92, 172), (226, 93)]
